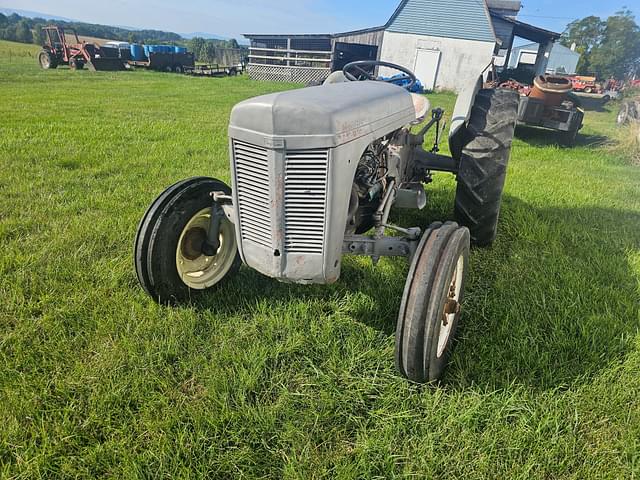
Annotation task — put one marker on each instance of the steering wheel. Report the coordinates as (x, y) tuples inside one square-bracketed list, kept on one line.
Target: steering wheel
[(361, 67)]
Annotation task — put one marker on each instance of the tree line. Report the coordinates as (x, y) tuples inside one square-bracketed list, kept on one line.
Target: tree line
[(17, 28), (608, 48)]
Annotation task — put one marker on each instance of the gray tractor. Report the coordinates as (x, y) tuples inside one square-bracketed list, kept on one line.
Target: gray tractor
[(315, 173)]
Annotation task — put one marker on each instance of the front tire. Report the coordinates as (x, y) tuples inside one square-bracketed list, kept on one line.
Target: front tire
[(430, 308), (46, 60), (483, 162), (170, 264)]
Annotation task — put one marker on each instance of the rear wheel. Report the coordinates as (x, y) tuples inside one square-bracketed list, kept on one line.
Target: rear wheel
[(46, 60), (178, 69), (568, 139), (483, 162), (169, 257), (430, 308), (626, 113)]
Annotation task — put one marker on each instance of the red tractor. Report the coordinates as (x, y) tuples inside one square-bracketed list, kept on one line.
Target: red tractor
[(56, 51), (585, 84)]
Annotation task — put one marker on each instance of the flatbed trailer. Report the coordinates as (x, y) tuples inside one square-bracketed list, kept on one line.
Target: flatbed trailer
[(566, 118), (214, 70), (166, 62)]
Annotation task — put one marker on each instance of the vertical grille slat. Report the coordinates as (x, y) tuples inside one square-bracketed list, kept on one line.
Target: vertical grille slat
[(305, 193), (252, 184)]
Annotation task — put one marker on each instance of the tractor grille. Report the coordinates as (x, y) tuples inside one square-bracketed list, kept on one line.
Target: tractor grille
[(252, 182), (305, 194)]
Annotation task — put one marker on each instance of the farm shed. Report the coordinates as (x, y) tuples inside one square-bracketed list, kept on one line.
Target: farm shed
[(311, 57), (561, 58), (446, 43)]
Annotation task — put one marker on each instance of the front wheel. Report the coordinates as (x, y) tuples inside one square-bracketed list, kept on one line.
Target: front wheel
[(170, 257), (430, 308), (46, 60)]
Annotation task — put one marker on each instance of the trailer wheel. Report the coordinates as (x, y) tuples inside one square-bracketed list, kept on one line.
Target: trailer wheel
[(170, 264), (431, 304), (626, 113), (588, 90), (46, 60), (483, 162), (178, 69)]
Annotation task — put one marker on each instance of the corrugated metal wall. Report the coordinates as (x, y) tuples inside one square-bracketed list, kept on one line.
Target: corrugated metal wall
[(373, 37), (504, 31), (464, 19), (561, 58)]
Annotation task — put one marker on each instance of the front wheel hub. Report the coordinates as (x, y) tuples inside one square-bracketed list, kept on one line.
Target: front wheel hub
[(196, 268)]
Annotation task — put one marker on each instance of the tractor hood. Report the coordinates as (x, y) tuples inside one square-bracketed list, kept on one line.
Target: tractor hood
[(322, 117)]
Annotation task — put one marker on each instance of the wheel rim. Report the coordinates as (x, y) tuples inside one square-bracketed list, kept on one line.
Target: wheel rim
[(199, 271), (622, 115), (451, 306), (44, 61)]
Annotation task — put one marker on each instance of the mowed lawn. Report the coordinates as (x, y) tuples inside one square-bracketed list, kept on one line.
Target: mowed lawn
[(266, 380)]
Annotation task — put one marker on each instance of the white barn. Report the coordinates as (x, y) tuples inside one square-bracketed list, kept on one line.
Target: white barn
[(444, 42)]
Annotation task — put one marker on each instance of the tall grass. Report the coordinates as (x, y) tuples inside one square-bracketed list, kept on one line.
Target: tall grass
[(265, 380)]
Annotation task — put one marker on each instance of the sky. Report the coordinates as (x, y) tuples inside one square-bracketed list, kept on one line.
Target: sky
[(232, 18)]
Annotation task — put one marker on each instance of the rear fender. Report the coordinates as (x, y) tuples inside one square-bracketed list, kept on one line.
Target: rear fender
[(461, 114)]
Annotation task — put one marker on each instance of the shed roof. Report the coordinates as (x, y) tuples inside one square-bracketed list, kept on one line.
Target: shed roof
[(444, 19), (529, 32), (259, 36), (463, 19)]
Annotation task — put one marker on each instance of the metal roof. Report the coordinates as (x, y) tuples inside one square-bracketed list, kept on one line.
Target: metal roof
[(463, 19), (313, 35), (529, 32)]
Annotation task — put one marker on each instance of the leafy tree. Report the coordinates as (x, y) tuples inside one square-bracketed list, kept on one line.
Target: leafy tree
[(619, 52), (9, 33), (586, 34), (38, 35), (608, 48), (23, 32)]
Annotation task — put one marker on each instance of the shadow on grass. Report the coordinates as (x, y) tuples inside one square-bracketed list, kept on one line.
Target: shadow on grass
[(540, 137), (594, 104), (549, 305)]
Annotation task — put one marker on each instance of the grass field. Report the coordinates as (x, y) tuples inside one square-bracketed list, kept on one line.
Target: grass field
[(262, 379)]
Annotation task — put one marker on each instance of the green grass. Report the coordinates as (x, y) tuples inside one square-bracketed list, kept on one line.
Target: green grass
[(262, 379)]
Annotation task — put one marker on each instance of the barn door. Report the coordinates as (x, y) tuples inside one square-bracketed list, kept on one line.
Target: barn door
[(426, 68)]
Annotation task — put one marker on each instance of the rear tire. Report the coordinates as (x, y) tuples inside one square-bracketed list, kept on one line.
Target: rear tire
[(483, 162), (568, 139), (430, 308), (175, 223), (46, 60), (626, 113)]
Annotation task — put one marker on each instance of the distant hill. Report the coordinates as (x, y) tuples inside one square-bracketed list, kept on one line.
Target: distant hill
[(28, 30), (25, 26), (206, 47), (30, 14)]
